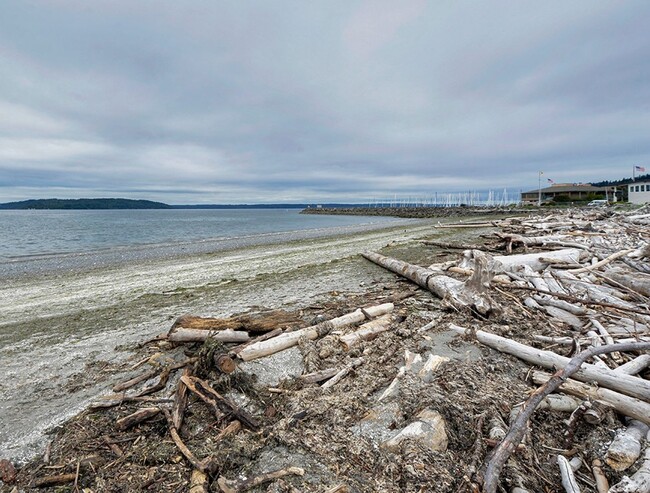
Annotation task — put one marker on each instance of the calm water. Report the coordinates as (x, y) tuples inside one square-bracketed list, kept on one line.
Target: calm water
[(35, 232)]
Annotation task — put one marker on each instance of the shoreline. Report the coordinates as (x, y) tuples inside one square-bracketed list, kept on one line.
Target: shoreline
[(64, 327)]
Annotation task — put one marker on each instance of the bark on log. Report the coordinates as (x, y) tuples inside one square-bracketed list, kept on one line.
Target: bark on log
[(625, 449), (461, 295), (628, 406), (367, 331), (197, 335), (290, 339), (248, 322), (626, 384)]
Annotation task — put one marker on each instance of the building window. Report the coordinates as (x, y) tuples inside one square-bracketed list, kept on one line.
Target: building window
[(637, 188)]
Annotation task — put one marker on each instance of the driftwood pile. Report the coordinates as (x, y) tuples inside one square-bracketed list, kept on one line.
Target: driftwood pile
[(592, 279), (561, 400)]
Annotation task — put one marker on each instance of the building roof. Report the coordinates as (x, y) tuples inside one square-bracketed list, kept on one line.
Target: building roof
[(570, 187)]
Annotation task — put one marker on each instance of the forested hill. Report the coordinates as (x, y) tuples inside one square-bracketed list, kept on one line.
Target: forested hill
[(622, 181), (84, 204)]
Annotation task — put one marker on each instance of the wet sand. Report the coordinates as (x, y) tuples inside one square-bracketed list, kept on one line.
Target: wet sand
[(62, 326)]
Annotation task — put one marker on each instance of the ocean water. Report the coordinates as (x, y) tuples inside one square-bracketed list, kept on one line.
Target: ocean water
[(53, 232)]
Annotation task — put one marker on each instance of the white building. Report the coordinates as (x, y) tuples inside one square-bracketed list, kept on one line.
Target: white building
[(638, 192)]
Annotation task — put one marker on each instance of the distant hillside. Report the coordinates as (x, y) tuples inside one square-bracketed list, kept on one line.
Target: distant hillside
[(84, 204)]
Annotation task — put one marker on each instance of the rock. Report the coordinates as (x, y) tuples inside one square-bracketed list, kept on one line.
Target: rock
[(429, 431), (271, 369), (7, 471)]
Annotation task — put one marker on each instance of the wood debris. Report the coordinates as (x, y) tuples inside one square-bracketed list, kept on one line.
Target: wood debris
[(433, 389)]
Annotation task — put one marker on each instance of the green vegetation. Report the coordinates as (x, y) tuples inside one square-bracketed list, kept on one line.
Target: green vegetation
[(84, 204)]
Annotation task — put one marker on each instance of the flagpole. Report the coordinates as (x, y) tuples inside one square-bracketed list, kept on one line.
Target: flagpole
[(539, 189), (633, 173)]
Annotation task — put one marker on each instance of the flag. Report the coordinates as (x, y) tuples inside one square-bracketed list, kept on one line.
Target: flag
[(639, 168), (550, 181)]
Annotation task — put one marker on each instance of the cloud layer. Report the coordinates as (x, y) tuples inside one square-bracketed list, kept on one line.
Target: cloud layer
[(256, 101)]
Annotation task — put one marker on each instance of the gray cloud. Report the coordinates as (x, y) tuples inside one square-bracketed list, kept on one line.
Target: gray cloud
[(310, 101)]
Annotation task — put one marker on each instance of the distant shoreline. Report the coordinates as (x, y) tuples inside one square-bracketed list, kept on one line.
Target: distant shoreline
[(416, 212)]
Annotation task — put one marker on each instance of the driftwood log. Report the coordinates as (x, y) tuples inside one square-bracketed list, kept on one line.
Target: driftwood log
[(639, 482), (367, 331), (265, 321), (630, 385), (461, 295), (625, 449), (180, 334), (624, 404), (290, 339)]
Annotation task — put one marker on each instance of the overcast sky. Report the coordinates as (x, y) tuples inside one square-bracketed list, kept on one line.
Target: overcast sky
[(302, 101)]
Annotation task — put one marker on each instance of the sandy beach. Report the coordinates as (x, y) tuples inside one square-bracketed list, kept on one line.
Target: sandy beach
[(62, 327)]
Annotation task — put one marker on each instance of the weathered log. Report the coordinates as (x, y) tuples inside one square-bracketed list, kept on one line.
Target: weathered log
[(340, 375), (549, 240), (637, 365), (290, 339), (577, 299), (637, 282), (132, 382), (461, 295), (639, 482), (602, 484), (264, 337), (625, 449), (629, 385), (319, 376), (218, 403), (55, 480), (241, 485), (429, 431), (137, 417), (629, 406), (512, 263), (564, 305), (566, 472), (198, 335), (452, 246), (367, 331), (603, 262), (249, 322)]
